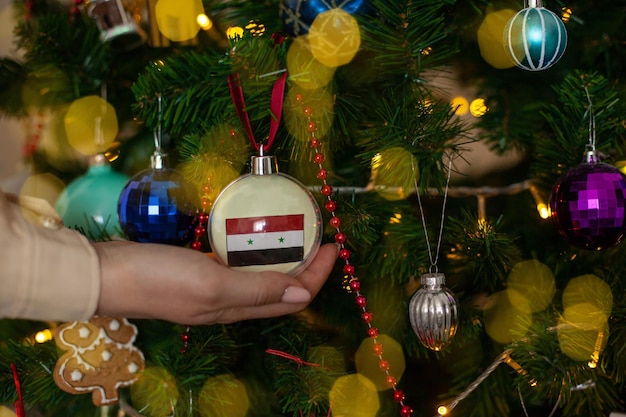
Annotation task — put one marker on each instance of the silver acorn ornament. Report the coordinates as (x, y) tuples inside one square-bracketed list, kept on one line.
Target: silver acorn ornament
[(434, 312)]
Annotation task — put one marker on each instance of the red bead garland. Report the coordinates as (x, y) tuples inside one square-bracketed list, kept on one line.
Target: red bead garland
[(199, 231), (348, 269)]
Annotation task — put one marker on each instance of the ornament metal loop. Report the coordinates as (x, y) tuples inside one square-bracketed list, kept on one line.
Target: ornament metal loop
[(433, 281), (263, 165), (591, 156)]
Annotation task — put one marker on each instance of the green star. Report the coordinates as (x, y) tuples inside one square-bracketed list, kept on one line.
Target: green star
[(281, 239), (250, 242)]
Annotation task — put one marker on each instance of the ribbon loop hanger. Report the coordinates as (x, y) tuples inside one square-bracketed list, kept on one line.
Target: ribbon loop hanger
[(276, 108)]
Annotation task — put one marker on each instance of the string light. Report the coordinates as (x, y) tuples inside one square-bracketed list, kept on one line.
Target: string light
[(542, 207), (43, 336), (234, 32), (255, 28), (445, 409), (396, 219), (478, 107), (518, 368), (566, 14), (595, 356), (544, 211), (204, 22)]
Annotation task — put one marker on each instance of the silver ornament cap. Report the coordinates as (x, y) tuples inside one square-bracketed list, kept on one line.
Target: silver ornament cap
[(434, 312)]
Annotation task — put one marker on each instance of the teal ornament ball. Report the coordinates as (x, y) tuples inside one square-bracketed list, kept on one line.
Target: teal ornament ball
[(89, 203), (535, 38)]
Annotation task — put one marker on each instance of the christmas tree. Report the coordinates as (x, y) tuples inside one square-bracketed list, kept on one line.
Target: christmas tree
[(438, 153)]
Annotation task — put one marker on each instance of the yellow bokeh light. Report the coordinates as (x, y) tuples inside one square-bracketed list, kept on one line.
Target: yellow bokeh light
[(533, 281), (395, 171), (490, 38), (43, 336), (45, 186), (585, 316), (42, 82), (204, 21), (354, 395), (91, 125), (223, 395), (442, 410), (580, 340), (505, 322), (460, 105), (177, 20), (304, 69), (155, 392), (335, 37), (5, 412), (588, 289), (478, 107), (368, 364), (234, 32)]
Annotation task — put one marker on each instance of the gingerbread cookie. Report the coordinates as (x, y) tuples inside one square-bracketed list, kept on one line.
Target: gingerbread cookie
[(99, 358)]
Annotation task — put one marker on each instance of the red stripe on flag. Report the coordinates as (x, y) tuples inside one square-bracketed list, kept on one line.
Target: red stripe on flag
[(264, 224)]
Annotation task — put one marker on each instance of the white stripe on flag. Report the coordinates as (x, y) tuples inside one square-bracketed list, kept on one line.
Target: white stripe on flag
[(268, 240)]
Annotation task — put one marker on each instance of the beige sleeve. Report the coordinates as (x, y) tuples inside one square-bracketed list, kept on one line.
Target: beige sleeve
[(47, 272)]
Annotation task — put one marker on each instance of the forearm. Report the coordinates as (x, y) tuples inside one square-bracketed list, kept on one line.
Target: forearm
[(48, 273)]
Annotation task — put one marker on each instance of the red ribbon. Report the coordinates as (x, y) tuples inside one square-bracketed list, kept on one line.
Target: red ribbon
[(296, 359), (300, 362), (19, 404), (276, 108)]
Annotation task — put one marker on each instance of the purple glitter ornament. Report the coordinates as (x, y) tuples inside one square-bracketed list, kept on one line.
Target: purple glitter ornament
[(588, 204)]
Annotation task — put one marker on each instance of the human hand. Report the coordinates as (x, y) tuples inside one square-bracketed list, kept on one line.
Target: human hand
[(143, 280)]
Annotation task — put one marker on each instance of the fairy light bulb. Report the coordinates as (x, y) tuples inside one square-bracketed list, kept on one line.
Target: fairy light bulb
[(204, 21), (442, 410), (543, 211), (43, 336), (595, 356), (519, 369)]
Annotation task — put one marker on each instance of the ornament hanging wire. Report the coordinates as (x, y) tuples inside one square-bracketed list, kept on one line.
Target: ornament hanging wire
[(521, 399), (433, 261), (158, 131), (158, 156), (592, 122)]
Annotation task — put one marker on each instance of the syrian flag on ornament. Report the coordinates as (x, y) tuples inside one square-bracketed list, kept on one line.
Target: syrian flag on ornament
[(265, 240)]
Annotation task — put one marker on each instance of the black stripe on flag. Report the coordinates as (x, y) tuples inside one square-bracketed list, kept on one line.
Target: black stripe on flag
[(265, 256)]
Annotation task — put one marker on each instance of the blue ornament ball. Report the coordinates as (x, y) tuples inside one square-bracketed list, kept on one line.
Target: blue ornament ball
[(154, 207), (297, 15), (535, 38), (89, 203)]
